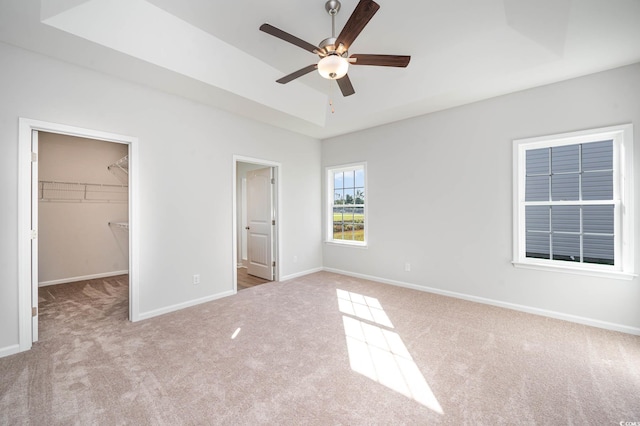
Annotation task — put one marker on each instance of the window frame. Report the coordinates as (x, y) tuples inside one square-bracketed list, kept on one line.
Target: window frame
[(623, 200), (330, 172)]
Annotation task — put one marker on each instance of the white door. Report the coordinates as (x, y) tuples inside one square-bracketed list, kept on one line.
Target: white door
[(34, 235), (259, 223)]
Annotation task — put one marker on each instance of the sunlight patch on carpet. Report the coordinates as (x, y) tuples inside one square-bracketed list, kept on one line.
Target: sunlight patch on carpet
[(377, 352), (235, 333)]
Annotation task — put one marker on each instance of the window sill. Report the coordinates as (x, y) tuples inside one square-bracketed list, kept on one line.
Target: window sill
[(346, 244), (618, 275)]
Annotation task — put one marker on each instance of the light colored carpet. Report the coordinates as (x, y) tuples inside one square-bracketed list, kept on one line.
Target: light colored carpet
[(321, 349)]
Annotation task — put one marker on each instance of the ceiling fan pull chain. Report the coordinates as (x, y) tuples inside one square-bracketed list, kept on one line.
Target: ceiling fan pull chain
[(330, 96)]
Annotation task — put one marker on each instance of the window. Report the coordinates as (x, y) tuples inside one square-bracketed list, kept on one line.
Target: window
[(573, 205), (347, 208)]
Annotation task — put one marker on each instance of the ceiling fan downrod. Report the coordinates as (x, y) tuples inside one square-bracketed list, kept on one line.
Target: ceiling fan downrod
[(332, 7), (328, 46)]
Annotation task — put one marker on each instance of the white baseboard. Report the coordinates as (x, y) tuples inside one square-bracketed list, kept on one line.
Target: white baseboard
[(301, 274), (81, 278), (9, 350), (178, 306), (522, 308)]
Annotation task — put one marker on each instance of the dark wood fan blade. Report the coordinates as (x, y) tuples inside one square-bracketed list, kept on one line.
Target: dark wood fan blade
[(276, 32), (345, 86), (381, 60), (299, 73), (361, 15)]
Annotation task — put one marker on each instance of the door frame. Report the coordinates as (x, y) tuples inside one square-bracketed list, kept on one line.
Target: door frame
[(276, 205), (25, 128)]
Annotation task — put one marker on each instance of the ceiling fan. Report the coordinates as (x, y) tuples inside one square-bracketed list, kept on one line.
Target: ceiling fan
[(334, 51)]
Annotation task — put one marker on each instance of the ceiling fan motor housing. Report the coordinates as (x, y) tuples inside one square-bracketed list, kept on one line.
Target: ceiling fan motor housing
[(328, 47)]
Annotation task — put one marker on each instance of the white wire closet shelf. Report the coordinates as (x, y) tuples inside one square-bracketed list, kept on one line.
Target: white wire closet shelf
[(82, 192), (120, 225), (120, 169), (122, 164)]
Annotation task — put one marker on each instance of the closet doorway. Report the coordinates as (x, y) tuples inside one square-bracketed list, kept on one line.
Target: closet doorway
[(76, 213), (256, 222), (83, 236)]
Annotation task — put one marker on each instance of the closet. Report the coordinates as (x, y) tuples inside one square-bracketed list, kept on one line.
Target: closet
[(82, 209)]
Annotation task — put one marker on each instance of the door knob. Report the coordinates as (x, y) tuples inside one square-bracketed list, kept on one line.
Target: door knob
[(246, 227)]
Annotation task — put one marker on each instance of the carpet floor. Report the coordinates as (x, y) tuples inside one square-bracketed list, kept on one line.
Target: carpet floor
[(322, 349)]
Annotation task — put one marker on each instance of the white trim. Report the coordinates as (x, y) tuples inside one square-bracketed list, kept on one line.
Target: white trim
[(24, 242), (35, 225), (25, 127), (187, 304), (552, 266), (9, 350), (82, 278), (278, 202), (513, 306), (301, 274), (347, 243), (134, 231), (623, 198)]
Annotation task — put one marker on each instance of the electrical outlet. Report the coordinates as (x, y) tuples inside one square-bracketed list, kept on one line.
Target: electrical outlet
[(407, 267), (196, 279), (295, 259)]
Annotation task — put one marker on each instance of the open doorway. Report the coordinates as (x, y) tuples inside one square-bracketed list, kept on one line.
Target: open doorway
[(83, 232), (32, 190), (255, 222)]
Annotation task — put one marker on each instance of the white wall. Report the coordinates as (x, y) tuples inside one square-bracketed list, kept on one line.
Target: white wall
[(74, 238), (440, 197), (185, 172)]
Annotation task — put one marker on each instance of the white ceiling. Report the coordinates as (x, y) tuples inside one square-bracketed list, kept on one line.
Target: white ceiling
[(212, 51)]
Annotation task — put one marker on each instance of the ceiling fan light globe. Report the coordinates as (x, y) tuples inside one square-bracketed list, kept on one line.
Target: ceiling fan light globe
[(333, 67)]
